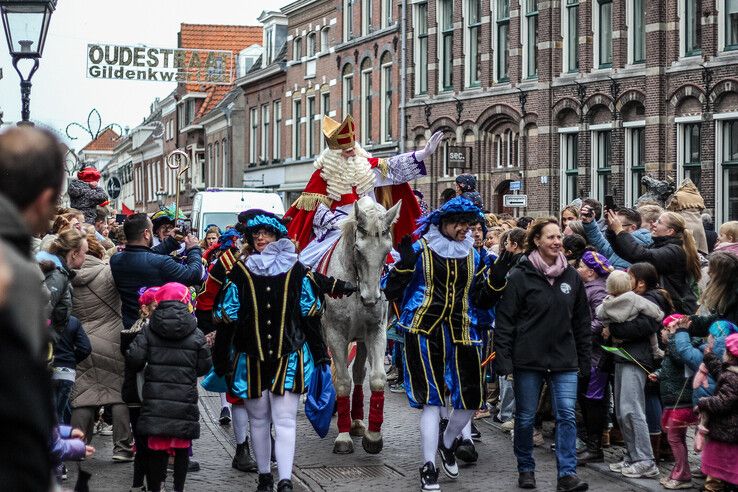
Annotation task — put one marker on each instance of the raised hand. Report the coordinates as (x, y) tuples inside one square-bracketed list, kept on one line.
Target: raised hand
[(430, 147), (408, 256)]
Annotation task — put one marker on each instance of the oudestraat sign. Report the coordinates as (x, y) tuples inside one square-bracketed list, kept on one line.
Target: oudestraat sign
[(105, 61)]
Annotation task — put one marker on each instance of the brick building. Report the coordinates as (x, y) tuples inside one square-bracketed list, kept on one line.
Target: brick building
[(576, 97)]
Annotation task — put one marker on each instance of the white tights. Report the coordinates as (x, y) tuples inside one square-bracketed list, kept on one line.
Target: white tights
[(240, 422), (429, 429), (282, 412)]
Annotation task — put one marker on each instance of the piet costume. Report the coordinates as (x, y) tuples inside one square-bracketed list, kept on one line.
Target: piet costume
[(432, 282), (338, 182)]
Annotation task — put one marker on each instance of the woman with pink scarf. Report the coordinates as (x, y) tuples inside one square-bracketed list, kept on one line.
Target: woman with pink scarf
[(543, 333)]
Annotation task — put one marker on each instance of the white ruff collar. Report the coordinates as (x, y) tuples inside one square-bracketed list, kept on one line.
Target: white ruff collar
[(277, 258), (446, 247), (341, 175)]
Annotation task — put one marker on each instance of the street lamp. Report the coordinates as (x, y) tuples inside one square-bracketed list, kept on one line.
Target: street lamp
[(26, 23)]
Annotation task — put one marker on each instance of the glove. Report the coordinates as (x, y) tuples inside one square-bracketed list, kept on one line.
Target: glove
[(500, 269), (430, 147), (342, 288), (408, 256)]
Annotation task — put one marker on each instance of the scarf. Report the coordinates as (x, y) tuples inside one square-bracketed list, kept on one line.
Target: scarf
[(446, 247), (551, 272), (277, 258)]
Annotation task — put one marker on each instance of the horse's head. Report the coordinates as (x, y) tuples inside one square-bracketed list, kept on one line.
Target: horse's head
[(368, 230)]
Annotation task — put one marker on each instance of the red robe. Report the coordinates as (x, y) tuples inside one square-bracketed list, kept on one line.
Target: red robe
[(302, 211)]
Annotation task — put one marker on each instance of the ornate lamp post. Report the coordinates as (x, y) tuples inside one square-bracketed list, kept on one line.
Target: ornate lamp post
[(26, 23)]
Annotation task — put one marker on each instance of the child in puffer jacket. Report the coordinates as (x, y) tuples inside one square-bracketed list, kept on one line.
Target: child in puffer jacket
[(67, 444), (85, 193)]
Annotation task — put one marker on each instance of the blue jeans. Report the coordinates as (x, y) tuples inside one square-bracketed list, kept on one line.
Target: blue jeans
[(653, 409), (527, 389), (62, 390)]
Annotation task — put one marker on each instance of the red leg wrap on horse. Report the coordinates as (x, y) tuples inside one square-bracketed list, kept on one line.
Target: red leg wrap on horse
[(344, 413), (376, 411), (357, 403)]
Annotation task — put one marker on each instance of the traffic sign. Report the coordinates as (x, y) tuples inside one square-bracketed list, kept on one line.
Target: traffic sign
[(113, 187), (516, 185), (515, 201)]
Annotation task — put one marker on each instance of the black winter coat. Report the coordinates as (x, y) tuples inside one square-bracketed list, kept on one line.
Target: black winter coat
[(635, 334), (540, 326), (173, 351), (722, 407), (668, 256)]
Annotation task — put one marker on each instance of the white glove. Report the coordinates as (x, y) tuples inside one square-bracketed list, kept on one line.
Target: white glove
[(430, 147)]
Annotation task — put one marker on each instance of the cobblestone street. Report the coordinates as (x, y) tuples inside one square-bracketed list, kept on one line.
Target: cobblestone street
[(318, 469)]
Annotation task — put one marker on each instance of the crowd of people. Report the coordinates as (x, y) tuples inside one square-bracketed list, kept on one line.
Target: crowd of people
[(619, 316)]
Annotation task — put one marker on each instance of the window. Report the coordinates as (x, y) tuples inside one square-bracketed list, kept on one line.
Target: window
[(569, 140), (637, 31), (571, 36), (421, 48), (296, 117), (324, 43), (224, 163), (277, 142), (692, 28), (507, 149), (635, 162), (311, 44), (688, 152), (503, 41), (729, 163), (310, 128), (366, 17), (214, 172), (347, 103), (446, 44), (252, 135), (325, 110), (297, 49), (601, 164), (366, 102), (264, 134), (387, 13), (268, 45), (603, 33), (473, 43), (385, 123), (348, 20), (531, 38), (731, 24)]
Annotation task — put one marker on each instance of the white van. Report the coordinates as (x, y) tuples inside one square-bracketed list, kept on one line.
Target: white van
[(221, 206)]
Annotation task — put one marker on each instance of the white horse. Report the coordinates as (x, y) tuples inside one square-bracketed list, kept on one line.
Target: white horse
[(359, 256)]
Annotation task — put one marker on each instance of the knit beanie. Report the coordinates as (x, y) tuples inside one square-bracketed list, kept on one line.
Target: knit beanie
[(88, 175), (731, 344)]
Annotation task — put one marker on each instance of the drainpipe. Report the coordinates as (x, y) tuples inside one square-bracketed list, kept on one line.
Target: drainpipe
[(550, 125), (403, 71)]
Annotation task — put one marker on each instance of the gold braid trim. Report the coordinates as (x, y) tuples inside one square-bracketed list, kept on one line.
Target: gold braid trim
[(383, 166), (310, 201)]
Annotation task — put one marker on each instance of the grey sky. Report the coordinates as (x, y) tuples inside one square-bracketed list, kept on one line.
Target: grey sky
[(62, 93)]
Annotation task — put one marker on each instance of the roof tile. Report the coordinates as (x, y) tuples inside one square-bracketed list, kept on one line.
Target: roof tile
[(107, 140)]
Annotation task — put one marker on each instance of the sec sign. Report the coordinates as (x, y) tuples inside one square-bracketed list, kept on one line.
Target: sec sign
[(458, 156)]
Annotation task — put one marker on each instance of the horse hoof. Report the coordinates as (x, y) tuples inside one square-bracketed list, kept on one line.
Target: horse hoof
[(372, 447), (357, 429), (343, 447)]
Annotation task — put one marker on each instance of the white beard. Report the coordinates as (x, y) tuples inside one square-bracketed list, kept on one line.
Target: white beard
[(342, 174)]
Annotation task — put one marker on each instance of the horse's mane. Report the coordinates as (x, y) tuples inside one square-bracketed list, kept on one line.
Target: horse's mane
[(374, 226)]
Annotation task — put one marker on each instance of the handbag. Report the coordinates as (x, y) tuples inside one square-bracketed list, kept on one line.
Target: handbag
[(321, 398)]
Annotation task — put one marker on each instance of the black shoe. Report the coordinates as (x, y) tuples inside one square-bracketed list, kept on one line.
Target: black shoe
[(591, 455), (527, 480), (284, 486), (274, 456), (448, 459), (475, 434), (570, 483), (466, 452), (266, 483), (429, 477), (193, 466), (225, 416), (243, 461)]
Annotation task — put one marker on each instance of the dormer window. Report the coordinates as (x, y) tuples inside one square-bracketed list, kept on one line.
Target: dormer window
[(247, 57)]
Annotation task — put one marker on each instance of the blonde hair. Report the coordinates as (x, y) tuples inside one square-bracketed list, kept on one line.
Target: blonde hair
[(570, 208), (94, 247), (730, 229), (679, 225), (618, 283), (723, 277), (211, 229), (68, 240), (650, 213), (491, 220)]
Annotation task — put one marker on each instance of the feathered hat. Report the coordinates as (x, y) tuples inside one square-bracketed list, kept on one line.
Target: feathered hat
[(250, 221)]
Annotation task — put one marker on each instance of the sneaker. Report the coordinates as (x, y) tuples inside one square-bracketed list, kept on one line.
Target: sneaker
[(448, 459), (538, 438), (225, 416), (193, 466), (641, 469), (618, 467), (672, 484), (392, 373), (571, 483), (397, 388), (123, 456), (64, 472), (475, 434), (429, 477), (508, 426), (581, 446), (466, 452), (105, 429), (484, 413), (527, 480), (284, 485)]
